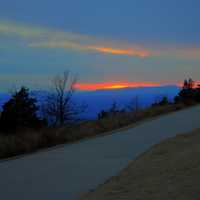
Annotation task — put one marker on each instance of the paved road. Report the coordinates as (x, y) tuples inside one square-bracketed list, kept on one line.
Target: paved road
[(66, 172)]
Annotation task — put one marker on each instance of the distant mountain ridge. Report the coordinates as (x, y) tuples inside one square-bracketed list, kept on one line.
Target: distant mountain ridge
[(102, 99)]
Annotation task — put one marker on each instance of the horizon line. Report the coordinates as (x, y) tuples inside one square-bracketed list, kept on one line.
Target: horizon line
[(120, 85)]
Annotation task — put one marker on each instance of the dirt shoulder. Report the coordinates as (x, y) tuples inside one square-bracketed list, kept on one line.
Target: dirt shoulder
[(169, 170)]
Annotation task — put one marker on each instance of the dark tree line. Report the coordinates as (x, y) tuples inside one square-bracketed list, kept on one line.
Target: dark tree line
[(21, 110), (190, 92)]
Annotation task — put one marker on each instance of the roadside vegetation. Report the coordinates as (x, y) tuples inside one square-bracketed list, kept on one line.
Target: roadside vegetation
[(23, 130)]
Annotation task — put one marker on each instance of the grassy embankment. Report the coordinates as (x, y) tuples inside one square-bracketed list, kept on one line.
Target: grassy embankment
[(27, 141)]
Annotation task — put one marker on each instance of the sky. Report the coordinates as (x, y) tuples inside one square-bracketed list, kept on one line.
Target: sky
[(105, 44)]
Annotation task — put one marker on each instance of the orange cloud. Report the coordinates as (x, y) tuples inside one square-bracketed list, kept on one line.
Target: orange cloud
[(129, 52), (38, 37), (107, 86)]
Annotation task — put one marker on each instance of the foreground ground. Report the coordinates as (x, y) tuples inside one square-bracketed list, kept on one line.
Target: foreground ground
[(170, 170), (72, 170)]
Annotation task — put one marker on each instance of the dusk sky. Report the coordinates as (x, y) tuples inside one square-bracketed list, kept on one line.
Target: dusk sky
[(102, 42)]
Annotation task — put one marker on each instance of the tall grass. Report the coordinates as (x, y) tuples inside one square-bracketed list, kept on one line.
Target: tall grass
[(27, 141)]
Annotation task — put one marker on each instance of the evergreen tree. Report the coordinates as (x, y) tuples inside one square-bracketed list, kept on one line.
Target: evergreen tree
[(185, 84), (190, 84), (189, 93), (20, 112)]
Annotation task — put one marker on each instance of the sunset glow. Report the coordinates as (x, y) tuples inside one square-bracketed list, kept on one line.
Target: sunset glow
[(110, 86), (111, 47), (128, 52)]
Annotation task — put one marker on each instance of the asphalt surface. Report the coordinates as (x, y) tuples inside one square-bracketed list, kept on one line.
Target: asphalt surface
[(67, 172)]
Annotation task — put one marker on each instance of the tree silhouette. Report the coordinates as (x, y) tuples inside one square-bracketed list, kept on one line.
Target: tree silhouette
[(191, 84), (189, 93), (102, 114), (111, 112), (58, 107), (164, 101), (185, 84), (133, 106), (198, 93), (20, 112)]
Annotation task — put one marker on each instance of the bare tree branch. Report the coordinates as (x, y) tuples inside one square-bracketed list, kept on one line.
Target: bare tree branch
[(59, 106)]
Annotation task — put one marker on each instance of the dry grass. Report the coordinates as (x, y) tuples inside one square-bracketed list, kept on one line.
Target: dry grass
[(29, 141), (170, 170)]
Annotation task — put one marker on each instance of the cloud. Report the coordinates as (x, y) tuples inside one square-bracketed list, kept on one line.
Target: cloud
[(38, 37), (48, 38), (129, 52)]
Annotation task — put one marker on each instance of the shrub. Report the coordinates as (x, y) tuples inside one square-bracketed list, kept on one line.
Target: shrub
[(164, 101), (113, 111)]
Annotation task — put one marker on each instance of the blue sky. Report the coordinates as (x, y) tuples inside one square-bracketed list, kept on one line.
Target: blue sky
[(99, 41)]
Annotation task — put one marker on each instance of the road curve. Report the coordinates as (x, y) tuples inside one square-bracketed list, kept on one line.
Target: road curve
[(67, 172)]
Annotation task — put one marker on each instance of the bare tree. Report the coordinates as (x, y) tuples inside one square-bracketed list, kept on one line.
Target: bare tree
[(133, 106), (58, 106)]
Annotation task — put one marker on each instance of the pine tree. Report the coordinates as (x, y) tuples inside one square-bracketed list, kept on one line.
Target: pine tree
[(185, 84), (20, 112)]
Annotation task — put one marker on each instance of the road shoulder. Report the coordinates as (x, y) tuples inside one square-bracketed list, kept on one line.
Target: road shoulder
[(169, 170)]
